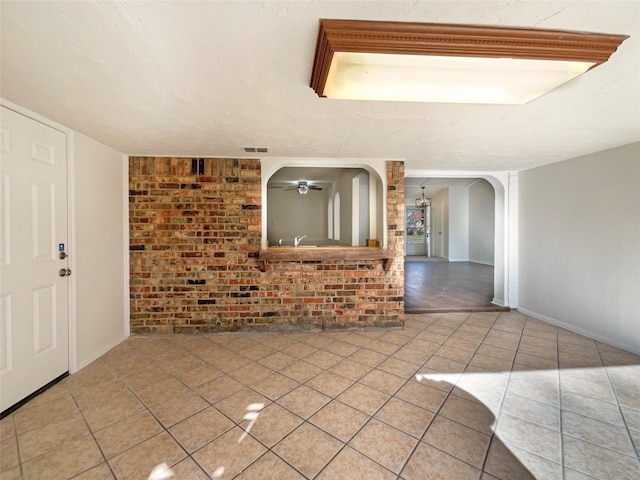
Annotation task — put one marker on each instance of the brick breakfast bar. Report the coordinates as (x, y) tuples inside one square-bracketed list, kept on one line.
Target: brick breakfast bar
[(196, 263)]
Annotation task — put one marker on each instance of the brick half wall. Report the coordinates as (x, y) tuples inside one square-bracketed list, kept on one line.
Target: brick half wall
[(195, 233)]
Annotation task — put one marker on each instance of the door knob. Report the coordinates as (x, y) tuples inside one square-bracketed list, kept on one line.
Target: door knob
[(62, 255), (64, 272)]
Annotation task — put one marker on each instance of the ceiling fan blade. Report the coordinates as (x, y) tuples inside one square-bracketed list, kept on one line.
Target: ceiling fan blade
[(298, 187)]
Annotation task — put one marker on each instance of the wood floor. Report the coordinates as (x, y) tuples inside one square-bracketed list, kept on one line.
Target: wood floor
[(448, 286)]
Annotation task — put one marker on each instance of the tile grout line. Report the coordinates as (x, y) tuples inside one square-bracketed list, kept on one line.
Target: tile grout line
[(421, 439), (15, 428), (619, 407), (238, 424), (306, 420), (635, 447), (561, 413), (164, 429), (237, 349), (335, 398), (504, 396), (371, 417), (522, 334), (92, 436), (148, 409)]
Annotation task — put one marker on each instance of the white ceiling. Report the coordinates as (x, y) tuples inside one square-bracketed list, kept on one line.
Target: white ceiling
[(413, 186), (206, 78)]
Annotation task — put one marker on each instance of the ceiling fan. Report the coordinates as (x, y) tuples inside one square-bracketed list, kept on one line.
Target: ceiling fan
[(303, 188)]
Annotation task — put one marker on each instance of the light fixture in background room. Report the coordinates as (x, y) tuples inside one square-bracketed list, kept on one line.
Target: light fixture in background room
[(423, 201), (301, 186), (371, 60)]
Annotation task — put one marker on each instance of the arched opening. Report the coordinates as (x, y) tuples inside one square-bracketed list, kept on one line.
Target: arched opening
[(341, 204), (470, 245)]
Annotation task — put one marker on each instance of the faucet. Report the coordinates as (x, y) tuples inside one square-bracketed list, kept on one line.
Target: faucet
[(298, 239)]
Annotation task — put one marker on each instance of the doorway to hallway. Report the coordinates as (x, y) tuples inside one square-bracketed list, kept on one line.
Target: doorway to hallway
[(465, 242)]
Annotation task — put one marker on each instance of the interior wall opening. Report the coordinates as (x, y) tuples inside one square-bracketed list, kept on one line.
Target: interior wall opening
[(451, 243), (321, 206)]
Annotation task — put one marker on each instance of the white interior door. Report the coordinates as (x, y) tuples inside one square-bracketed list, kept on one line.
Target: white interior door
[(34, 317), (437, 231)]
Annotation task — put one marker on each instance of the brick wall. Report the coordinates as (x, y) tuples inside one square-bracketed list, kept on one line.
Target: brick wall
[(195, 232)]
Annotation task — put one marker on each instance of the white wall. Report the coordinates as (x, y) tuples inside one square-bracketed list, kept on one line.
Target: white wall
[(362, 228), (458, 223), (481, 222), (101, 260), (579, 245), (375, 206), (344, 185), (441, 196)]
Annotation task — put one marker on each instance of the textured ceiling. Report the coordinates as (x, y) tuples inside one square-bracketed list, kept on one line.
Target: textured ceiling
[(206, 78)]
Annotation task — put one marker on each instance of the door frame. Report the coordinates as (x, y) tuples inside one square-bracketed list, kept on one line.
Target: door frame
[(426, 237), (440, 206), (71, 224)]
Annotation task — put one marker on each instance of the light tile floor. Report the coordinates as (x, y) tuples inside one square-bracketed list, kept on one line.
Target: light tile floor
[(416, 403)]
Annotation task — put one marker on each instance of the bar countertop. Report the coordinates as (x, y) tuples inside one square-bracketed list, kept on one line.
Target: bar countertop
[(313, 253)]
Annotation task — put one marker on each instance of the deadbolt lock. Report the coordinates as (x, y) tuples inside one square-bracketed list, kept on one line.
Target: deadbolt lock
[(62, 255), (64, 272)]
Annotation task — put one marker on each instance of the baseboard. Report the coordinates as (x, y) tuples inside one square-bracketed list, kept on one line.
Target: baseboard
[(481, 262), (456, 310), (498, 301), (101, 352), (581, 331), (459, 259)]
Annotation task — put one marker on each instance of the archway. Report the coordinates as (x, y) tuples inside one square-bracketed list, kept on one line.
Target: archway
[(505, 268), (376, 222)]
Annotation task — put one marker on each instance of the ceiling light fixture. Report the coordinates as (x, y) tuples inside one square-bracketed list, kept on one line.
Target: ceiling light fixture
[(369, 60), (423, 202), (303, 188)]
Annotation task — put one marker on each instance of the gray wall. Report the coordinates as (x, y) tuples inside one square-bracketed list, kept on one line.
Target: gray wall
[(481, 222), (363, 207), (458, 230), (579, 243), (290, 214), (441, 196), (344, 185)]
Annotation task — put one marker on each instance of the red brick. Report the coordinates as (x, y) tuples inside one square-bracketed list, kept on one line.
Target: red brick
[(198, 227)]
